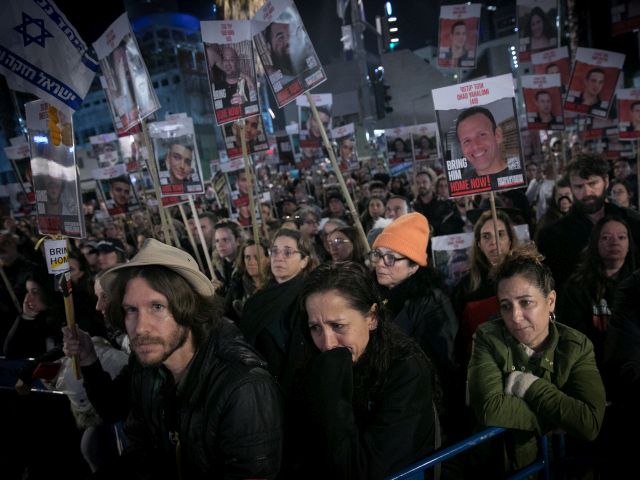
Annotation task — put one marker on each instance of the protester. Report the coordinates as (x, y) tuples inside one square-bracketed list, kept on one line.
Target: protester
[(396, 207), (249, 276), (559, 204), (345, 245), (586, 301), (374, 210), (367, 393), (197, 389), (228, 239), (416, 303), (270, 317), (622, 194), (37, 328), (441, 213), (110, 253), (474, 298), (529, 373), (562, 241)]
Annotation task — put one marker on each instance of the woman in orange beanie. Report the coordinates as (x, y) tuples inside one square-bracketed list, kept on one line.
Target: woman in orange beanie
[(417, 304)]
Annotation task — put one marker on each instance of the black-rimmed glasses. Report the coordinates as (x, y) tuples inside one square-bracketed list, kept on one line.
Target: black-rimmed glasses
[(388, 258)]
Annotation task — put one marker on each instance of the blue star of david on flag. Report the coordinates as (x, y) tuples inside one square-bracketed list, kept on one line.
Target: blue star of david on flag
[(27, 37)]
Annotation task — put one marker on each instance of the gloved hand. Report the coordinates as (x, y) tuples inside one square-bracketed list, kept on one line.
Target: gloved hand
[(518, 383)]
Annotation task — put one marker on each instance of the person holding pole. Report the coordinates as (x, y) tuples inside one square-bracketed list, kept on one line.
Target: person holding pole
[(202, 403)]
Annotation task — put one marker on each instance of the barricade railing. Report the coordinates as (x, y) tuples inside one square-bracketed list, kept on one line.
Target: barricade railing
[(416, 471)]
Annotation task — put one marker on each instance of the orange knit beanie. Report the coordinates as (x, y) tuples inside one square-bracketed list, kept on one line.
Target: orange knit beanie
[(408, 236)]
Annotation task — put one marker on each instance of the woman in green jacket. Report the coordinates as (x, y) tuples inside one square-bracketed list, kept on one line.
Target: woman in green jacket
[(529, 373)]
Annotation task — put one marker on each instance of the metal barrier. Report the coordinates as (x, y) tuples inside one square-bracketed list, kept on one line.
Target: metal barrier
[(416, 471)]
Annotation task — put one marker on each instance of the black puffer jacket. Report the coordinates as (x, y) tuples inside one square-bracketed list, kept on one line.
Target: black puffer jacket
[(224, 420), (424, 312)]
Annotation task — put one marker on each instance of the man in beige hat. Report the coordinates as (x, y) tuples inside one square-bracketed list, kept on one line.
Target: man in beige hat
[(202, 403)]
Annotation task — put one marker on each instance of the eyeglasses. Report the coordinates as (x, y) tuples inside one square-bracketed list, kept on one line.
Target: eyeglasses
[(388, 258), (286, 251), (338, 241)]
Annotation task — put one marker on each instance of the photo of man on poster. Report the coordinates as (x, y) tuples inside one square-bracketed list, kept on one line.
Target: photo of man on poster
[(459, 53), (120, 193), (481, 141), (232, 85), (479, 136), (634, 109), (593, 84)]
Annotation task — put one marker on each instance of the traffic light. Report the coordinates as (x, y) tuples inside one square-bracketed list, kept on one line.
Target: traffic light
[(391, 23)]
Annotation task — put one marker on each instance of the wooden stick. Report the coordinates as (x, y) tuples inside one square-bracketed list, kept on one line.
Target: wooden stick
[(190, 235), (67, 292), (205, 247), (252, 203), (336, 169), (494, 216), (153, 173)]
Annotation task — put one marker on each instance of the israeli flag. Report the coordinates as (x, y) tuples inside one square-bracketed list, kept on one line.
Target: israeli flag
[(41, 53)]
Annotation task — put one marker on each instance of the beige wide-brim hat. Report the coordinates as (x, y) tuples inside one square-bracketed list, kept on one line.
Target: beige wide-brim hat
[(154, 252)]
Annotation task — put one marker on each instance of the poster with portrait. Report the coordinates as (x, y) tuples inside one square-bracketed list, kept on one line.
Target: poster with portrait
[(311, 146), (399, 149), (555, 60), (479, 136), (452, 256), (625, 16), (629, 113), (593, 81), (231, 69), (117, 190), (425, 147), (254, 134), (20, 158), (543, 100), (106, 149), (176, 152), (240, 189), (458, 35), (347, 152), (125, 78), (285, 50), (536, 26), (133, 151), (55, 174)]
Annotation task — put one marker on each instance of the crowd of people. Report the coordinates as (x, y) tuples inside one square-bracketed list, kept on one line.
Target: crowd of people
[(320, 352)]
